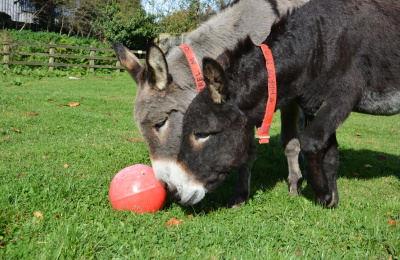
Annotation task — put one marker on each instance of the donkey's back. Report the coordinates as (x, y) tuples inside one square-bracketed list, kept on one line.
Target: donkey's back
[(354, 40), (378, 59)]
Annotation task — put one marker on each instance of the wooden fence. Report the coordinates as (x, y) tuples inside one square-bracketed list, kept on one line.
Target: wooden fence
[(7, 51)]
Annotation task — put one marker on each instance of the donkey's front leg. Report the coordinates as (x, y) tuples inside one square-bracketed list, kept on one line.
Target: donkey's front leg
[(242, 190), (290, 128), (319, 146), (323, 167)]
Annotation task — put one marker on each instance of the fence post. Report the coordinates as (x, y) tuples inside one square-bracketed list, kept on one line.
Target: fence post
[(6, 55), (51, 60), (118, 64), (91, 62)]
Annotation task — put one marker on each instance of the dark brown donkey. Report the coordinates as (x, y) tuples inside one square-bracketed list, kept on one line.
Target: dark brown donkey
[(166, 87), (331, 56)]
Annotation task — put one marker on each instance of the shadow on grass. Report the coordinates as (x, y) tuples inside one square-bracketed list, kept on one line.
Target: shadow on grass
[(270, 168)]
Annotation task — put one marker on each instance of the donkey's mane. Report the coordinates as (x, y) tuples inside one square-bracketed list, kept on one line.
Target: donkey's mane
[(242, 47)]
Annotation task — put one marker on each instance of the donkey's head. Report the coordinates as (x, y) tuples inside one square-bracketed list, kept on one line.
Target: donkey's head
[(217, 129), (159, 107)]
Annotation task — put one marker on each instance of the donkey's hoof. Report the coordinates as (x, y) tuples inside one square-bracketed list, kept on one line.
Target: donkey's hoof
[(292, 191), (295, 187), (327, 200), (236, 202)]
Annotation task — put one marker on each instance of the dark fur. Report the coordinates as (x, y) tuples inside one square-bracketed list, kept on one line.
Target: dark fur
[(331, 56)]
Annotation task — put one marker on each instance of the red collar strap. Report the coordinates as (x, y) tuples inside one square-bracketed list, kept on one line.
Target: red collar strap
[(262, 132), (194, 65)]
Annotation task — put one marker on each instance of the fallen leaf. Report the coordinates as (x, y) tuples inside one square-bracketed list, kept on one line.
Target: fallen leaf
[(57, 216), (20, 97), (368, 166), (65, 165), (388, 213), (50, 100), (174, 222), (119, 115), (60, 105), (189, 216), (73, 104), (21, 175), (115, 120), (107, 113), (135, 140), (357, 134), (392, 223), (32, 114), (16, 130), (394, 131), (38, 214)]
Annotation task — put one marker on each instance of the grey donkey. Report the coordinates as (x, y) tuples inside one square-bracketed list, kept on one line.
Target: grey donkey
[(166, 87)]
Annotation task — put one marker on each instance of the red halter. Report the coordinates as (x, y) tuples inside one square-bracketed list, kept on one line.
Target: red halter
[(194, 65), (262, 132)]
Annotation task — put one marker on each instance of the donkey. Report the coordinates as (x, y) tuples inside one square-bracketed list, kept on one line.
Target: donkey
[(331, 57), (166, 87)]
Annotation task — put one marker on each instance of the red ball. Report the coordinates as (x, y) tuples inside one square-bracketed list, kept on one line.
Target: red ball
[(136, 188)]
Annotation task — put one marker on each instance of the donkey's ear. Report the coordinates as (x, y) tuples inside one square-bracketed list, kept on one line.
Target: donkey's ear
[(128, 60), (157, 67), (215, 78)]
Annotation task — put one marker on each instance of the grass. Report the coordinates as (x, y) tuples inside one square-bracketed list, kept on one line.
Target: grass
[(62, 161)]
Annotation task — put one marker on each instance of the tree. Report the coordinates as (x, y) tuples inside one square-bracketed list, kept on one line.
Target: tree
[(134, 31), (184, 15), (45, 12)]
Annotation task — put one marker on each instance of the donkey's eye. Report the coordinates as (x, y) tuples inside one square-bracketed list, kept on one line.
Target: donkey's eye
[(160, 124), (201, 136)]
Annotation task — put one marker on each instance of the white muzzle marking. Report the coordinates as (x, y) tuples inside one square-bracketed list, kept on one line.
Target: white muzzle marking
[(190, 191)]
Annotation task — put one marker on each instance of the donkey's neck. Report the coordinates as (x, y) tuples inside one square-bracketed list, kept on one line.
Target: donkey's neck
[(224, 30), (289, 62)]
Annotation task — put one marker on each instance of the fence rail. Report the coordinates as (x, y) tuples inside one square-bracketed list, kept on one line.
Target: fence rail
[(7, 51)]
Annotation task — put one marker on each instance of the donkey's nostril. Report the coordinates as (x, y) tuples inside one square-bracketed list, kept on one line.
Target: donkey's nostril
[(174, 192)]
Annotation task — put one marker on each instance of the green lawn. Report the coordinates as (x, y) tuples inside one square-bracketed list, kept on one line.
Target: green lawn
[(62, 160)]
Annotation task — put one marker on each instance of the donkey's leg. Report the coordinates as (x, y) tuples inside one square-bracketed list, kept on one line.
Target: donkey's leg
[(289, 138), (330, 167), (295, 179), (242, 190), (319, 146)]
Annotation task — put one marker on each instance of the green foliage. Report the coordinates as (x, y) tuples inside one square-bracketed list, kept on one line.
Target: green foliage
[(185, 19), (135, 33)]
